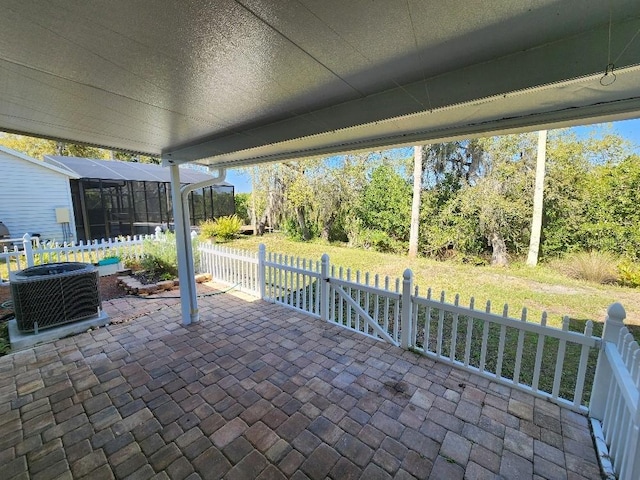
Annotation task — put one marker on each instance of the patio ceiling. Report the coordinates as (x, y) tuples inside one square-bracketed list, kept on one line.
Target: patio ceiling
[(236, 82)]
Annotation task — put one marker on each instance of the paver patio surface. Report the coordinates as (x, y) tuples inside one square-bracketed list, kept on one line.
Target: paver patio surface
[(256, 390)]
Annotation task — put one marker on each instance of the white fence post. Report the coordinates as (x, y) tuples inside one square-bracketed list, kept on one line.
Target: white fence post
[(405, 315), (28, 249), (613, 323), (262, 256), (323, 289)]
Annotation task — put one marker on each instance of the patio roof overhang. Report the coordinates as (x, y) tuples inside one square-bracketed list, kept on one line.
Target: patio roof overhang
[(236, 82)]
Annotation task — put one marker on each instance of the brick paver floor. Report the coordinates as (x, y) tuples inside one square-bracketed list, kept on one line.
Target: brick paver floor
[(259, 391)]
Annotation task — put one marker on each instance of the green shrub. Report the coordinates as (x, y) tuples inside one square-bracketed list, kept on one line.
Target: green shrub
[(377, 240), (629, 273), (160, 258), (223, 228), (242, 206), (598, 267), (292, 230)]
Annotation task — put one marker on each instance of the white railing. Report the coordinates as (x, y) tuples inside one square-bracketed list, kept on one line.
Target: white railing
[(615, 400), (230, 266), (289, 281), (364, 303), (31, 252), (530, 356)]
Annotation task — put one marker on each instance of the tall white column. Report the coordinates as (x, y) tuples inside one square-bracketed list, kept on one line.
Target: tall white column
[(188, 297)]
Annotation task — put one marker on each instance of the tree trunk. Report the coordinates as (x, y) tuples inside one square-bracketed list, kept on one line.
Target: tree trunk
[(254, 213), (262, 224), (326, 228), (302, 222), (499, 255), (266, 217), (415, 205), (538, 201)]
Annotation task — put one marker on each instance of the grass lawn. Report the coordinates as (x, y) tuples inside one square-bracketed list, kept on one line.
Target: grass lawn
[(538, 289)]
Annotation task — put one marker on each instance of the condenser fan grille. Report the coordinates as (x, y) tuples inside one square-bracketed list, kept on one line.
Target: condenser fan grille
[(55, 294)]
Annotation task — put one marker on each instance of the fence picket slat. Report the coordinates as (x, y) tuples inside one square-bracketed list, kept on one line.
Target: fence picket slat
[(485, 339), (562, 346), (385, 318), (396, 315), (467, 345), (539, 353), (516, 370), (582, 367), (454, 331)]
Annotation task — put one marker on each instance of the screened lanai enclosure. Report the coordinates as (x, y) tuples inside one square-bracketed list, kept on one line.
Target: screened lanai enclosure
[(113, 198)]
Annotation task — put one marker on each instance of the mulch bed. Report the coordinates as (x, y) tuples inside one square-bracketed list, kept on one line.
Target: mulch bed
[(109, 288)]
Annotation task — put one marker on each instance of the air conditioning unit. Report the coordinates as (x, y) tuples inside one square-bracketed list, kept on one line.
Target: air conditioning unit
[(54, 294)]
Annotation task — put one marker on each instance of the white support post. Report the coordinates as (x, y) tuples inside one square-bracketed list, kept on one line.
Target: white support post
[(183, 241), (28, 249), (194, 313), (262, 270), (405, 315), (600, 390), (323, 289)]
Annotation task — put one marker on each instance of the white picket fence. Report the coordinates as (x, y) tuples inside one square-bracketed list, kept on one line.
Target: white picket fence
[(31, 252), (529, 356), (615, 401)]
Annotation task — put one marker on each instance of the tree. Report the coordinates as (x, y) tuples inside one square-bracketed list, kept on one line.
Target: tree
[(242, 206), (571, 164), (385, 207), (82, 151), (415, 203), (298, 195), (40, 147), (31, 146), (538, 198), (611, 218), (336, 186), (132, 157), (267, 197), (447, 227), (498, 199)]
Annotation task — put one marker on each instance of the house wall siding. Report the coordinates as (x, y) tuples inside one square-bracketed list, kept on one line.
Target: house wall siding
[(29, 195)]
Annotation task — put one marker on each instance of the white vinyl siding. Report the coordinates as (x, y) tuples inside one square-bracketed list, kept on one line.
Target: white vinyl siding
[(29, 195)]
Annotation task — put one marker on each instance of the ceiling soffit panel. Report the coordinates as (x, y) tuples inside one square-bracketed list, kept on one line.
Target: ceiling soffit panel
[(218, 79), (527, 113), (566, 59)]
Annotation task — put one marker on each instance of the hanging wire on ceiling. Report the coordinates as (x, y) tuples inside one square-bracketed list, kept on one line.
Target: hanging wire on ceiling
[(609, 77)]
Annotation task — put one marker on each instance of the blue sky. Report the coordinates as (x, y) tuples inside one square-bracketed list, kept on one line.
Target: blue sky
[(629, 129)]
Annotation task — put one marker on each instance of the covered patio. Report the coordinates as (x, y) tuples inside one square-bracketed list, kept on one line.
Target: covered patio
[(255, 390), (229, 387)]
